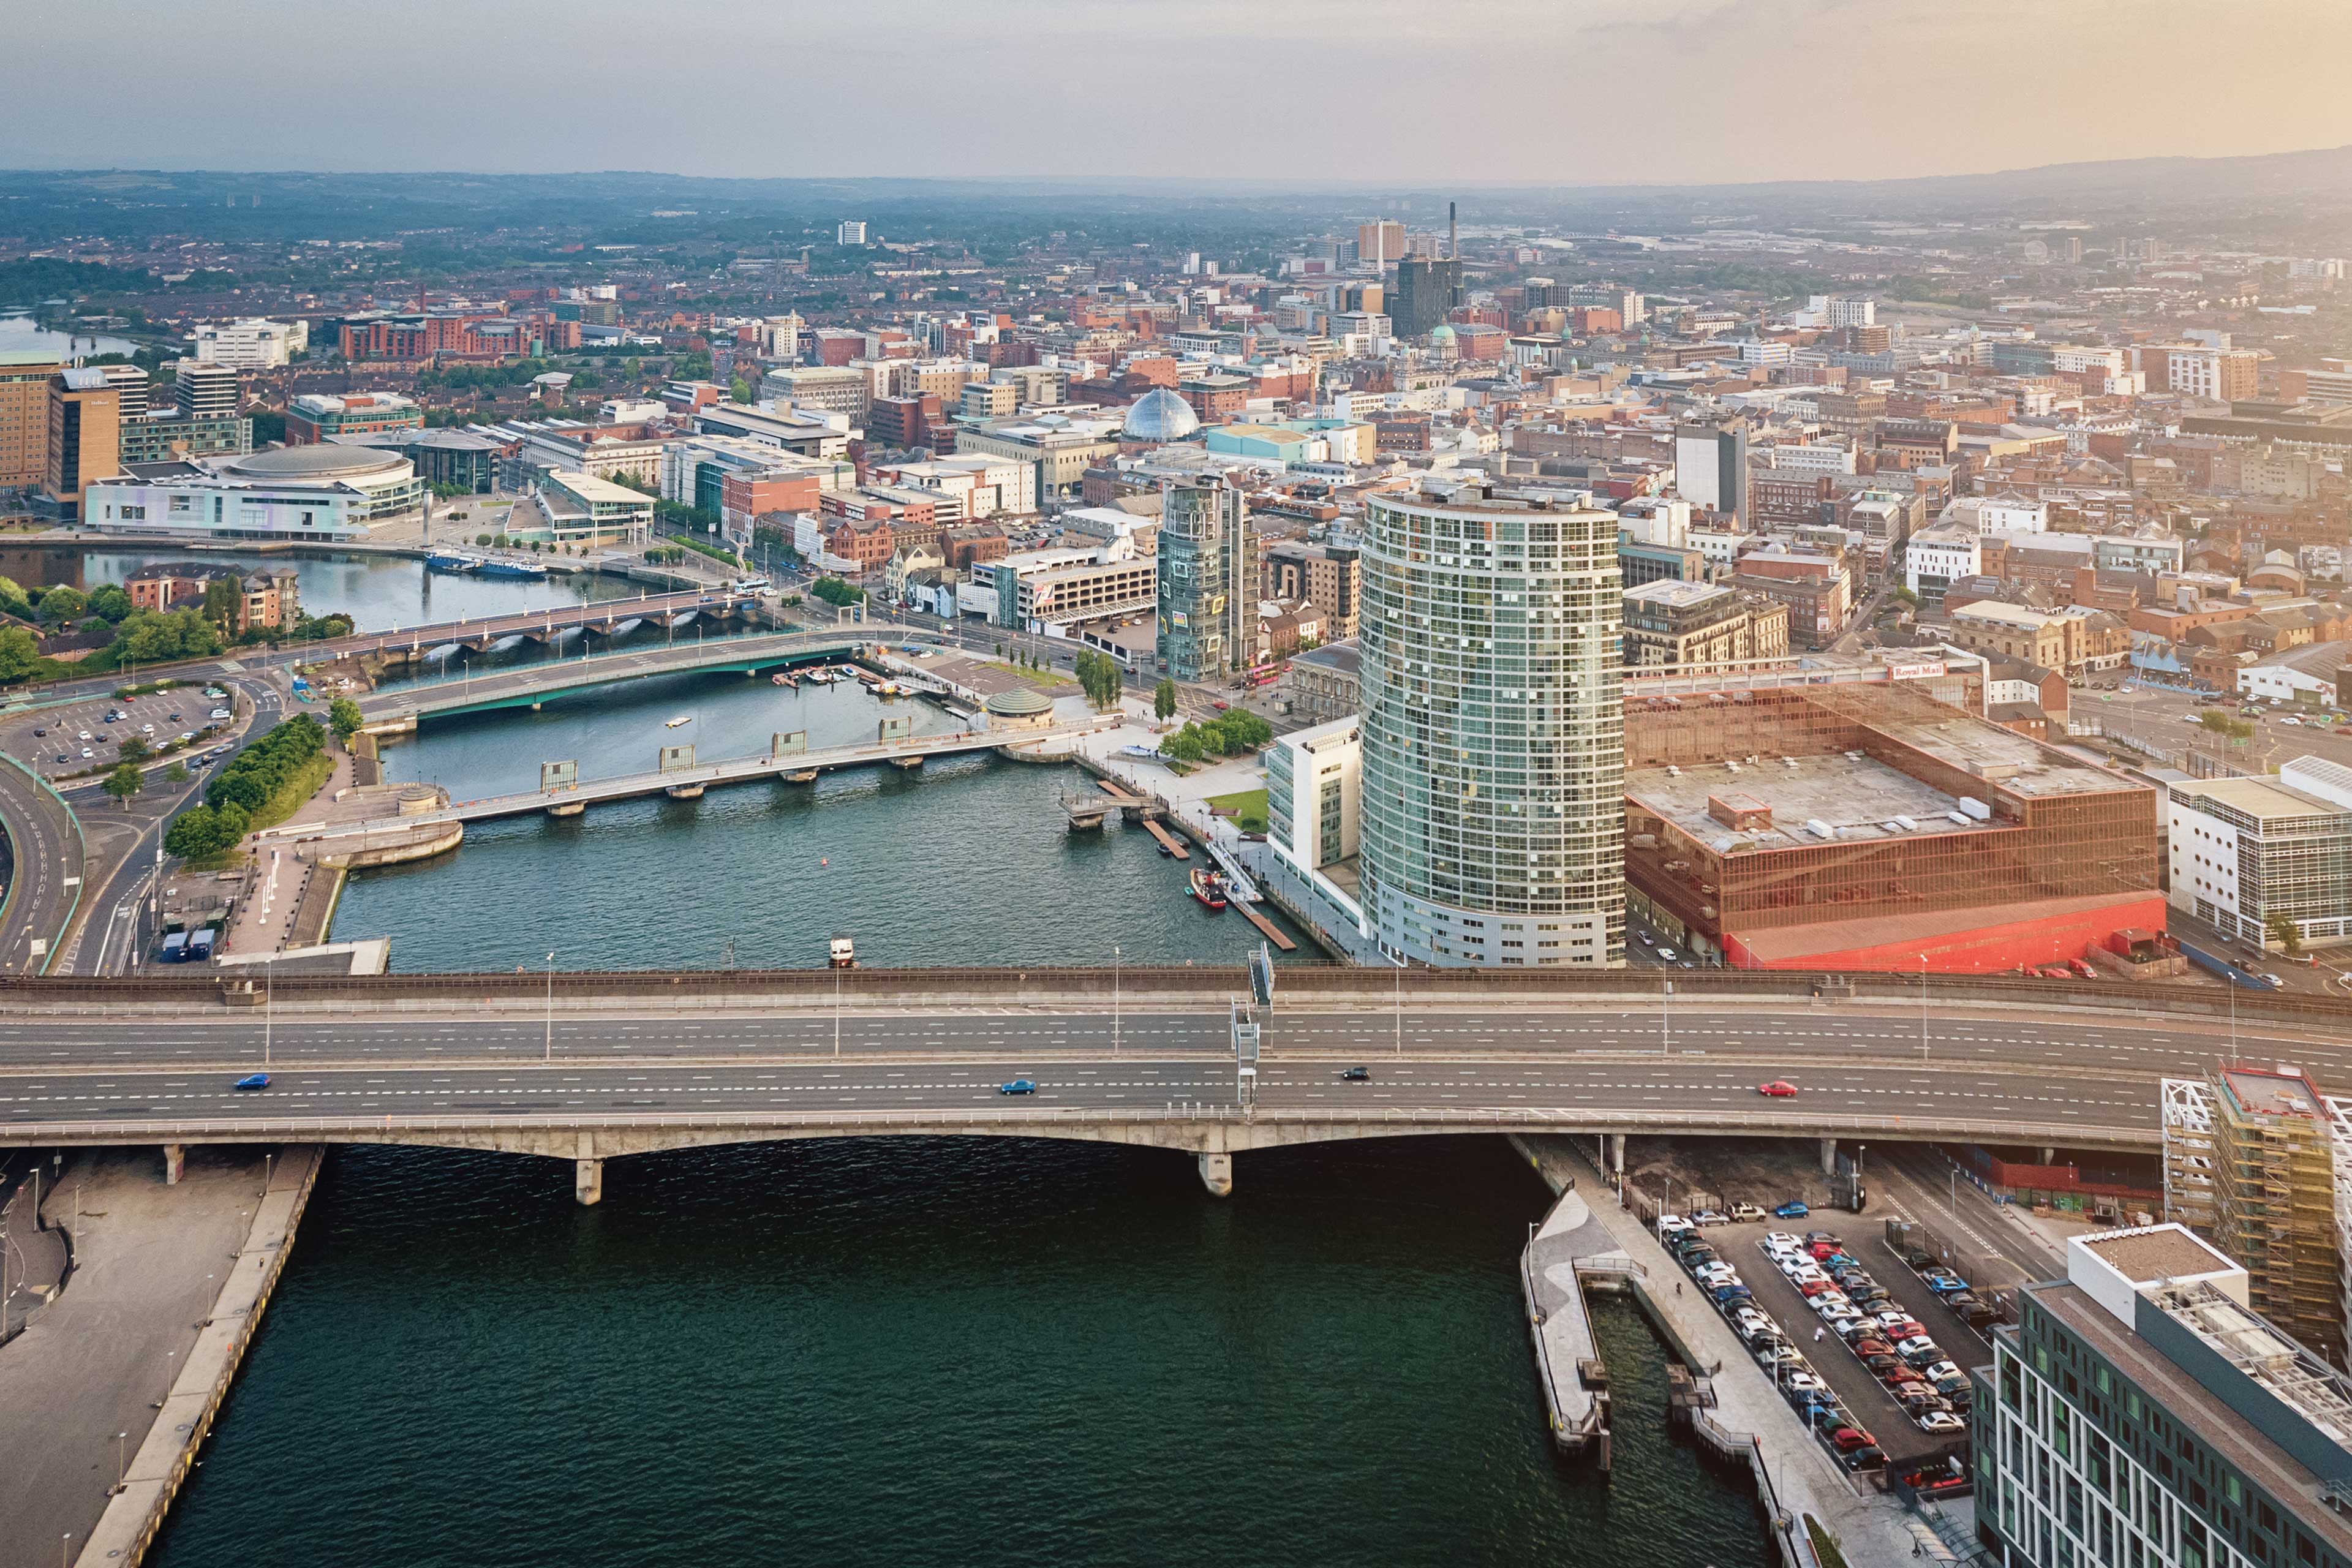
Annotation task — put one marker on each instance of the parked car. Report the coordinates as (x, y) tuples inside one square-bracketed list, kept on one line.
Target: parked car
[(1859, 1460), (1792, 1209), (1940, 1421), (1710, 1217), (1779, 1239), (1745, 1212)]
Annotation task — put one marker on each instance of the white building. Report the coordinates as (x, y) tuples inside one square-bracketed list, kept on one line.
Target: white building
[(326, 491), (1998, 514), (2245, 851), (629, 411), (254, 343), (1314, 807), (2306, 673), (1825, 458), (852, 231), (1940, 557), (1850, 310)]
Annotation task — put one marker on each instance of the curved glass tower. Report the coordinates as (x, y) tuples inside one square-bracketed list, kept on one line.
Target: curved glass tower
[(1494, 744)]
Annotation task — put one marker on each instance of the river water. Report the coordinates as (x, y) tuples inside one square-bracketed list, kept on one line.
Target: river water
[(961, 1354)]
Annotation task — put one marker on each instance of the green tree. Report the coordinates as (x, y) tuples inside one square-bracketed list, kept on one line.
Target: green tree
[(177, 774), (134, 749), (739, 390), (20, 655), (109, 600), (2283, 929), (222, 599), (14, 599), (62, 603), (343, 716), (1163, 698), (125, 781)]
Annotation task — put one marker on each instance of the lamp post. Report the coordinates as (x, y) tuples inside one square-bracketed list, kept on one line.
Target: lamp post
[(121, 1459), (550, 1007), (1923, 1007), (1114, 998), (1400, 1005), (268, 1003)]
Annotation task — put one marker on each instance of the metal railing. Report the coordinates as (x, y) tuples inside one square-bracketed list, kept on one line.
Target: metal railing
[(1048, 1121)]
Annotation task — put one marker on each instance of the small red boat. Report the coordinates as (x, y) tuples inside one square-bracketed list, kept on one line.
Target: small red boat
[(1209, 888)]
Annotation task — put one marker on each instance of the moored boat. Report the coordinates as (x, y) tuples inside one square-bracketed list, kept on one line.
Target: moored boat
[(1209, 888)]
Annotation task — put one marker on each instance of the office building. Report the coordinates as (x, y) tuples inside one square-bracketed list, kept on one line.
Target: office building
[(206, 391), (1207, 581), (1494, 749), (85, 439), (851, 231), (1697, 628), (2250, 854), (2142, 1413), (1711, 467), (1329, 576), (1381, 243), (1427, 288), (25, 376), (314, 416), (254, 343)]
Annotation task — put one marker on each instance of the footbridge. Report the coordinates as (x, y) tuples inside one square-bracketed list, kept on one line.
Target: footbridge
[(588, 1068), (400, 710), (602, 618)]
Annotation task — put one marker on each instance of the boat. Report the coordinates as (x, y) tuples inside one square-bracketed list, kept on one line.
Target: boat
[(681, 718), (1209, 888), (452, 560), (786, 679), (843, 954), (890, 689), (529, 571)]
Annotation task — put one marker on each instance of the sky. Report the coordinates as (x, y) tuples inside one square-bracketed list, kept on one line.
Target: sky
[(1568, 92)]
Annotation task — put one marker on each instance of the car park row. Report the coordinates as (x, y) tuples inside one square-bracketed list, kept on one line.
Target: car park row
[(1890, 1343), (1792, 1373)]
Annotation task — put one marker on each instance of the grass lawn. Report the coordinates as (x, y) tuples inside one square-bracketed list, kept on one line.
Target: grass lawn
[(1246, 807)]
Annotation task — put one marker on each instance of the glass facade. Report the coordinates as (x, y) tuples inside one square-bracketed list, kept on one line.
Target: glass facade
[(1207, 582), (1493, 728)]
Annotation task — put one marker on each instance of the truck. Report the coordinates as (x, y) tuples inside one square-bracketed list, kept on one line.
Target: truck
[(2221, 965)]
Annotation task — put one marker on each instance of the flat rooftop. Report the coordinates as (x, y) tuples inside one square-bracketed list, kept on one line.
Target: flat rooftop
[(2148, 1255), (1860, 800), (2272, 1093)]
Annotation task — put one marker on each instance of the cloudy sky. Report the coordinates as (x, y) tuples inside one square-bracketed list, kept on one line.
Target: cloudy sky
[(1391, 91)]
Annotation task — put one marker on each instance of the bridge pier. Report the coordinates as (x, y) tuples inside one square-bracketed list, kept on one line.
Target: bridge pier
[(1829, 1157), (1617, 1157), (567, 808), (2049, 1156), (588, 1182), (1217, 1174), (174, 1163)]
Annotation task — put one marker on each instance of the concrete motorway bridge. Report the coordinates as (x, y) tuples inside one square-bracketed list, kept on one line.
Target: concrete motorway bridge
[(589, 1068)]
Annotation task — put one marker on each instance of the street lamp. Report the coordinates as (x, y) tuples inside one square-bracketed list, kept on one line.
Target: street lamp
[(1923, 1007), (121, 1459), (1114, 999), (550, 1007), (268, 1002)]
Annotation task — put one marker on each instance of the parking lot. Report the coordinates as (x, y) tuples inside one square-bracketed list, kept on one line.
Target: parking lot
[(1861, 1394), (79, 738)]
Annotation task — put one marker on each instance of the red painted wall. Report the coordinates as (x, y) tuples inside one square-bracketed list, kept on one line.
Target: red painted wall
[(1982, 950)]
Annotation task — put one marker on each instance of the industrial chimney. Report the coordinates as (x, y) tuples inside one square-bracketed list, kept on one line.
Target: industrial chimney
[(1453, 234)]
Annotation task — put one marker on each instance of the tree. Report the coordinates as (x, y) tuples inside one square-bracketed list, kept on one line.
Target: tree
[(14, 599), (62, 603), (739, 390), (2283, 929), (125, 781), (20, 654), (222, 599), (1163, 698), (177, 774), (343, 716), (109, 601), (134, 749), (206, 830)]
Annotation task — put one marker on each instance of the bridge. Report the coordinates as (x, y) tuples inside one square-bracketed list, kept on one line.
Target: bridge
[(605, 617), (685, 781), (401, 709), (590, 1068)]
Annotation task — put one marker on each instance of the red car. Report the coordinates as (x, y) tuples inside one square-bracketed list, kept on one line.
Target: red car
[(1779, 1089), (1847, 1438)]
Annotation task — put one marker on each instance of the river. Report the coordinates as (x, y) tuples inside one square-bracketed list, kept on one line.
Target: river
[(965, 1353), (20, 334)]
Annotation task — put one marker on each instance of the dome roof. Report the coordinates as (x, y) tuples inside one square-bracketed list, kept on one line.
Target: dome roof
[(1021, 704), (1160, 415), (1441, 334), (327, 461)]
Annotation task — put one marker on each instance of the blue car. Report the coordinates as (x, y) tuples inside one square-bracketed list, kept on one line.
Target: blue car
[(257, 1081), (1791, 1210), (1018, 1086)]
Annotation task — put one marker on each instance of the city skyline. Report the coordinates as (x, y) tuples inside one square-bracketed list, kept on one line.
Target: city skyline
[(1511, 78)]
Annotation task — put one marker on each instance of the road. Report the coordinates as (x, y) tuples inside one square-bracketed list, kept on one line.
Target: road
[(45, 874), (1985, 1070)]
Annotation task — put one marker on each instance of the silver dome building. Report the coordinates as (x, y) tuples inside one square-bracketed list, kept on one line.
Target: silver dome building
[(1159, 417)]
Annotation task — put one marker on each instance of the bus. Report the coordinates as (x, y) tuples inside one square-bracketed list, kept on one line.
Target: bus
[(1264, 675)]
